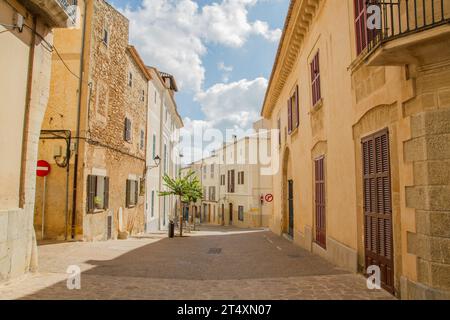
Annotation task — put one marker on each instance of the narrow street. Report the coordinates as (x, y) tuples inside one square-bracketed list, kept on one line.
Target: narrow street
[(212, 263)]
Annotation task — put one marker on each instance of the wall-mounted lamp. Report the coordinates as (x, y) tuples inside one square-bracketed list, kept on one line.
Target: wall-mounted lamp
[(157, 161)]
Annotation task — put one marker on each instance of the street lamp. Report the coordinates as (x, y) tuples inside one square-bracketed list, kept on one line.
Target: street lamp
[(157, 161)]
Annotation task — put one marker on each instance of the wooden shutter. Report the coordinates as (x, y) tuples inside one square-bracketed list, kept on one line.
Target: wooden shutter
[(127, 201), (91, 184), (242, 177), (289, 116), (360, 25), (136, 192), (378, 239), (315, 80), (297, 107), (320, 201), (106, 193)]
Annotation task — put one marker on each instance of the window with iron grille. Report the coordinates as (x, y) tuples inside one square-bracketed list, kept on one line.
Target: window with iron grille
[(315, 80), (97, 193), (127, 130), (241, 213), (131, 193)]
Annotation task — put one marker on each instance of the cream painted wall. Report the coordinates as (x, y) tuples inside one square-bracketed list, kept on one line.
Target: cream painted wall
[(14, 58)]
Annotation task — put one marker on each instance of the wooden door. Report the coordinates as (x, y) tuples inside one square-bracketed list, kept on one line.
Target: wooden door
[(291, 207), (378, 240), (320, 202)]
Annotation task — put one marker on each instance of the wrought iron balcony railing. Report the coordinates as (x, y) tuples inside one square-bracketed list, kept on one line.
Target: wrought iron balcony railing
[(70, 7), (400, 18)]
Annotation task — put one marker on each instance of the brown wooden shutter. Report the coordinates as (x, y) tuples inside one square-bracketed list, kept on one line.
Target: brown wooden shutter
[(378, 238), (127, 201), (136, 192), (297, 120), (106, 193), (320, 201), (91, 184), (289, 116)]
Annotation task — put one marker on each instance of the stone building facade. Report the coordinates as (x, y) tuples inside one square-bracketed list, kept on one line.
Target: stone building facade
[(25, 60), (366, 112), (96, 190)]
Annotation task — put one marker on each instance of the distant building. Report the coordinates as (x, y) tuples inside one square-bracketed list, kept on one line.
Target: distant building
[(234, 188), (163, 126), (26, 42)]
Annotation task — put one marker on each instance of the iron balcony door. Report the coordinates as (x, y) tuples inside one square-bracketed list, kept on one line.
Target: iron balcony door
[(378, 240), (291, 207)]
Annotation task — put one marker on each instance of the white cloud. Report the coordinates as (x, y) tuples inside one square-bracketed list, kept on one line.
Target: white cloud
[(234, 105), (172, 34), (222, 67)]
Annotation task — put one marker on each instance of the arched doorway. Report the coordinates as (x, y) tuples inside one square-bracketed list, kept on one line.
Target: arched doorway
[(287, 218)]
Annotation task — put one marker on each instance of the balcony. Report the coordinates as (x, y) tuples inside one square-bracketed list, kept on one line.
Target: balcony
[(56, 13), (412, 31)]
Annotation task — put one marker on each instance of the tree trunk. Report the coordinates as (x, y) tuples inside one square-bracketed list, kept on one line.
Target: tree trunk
[(181, 218)]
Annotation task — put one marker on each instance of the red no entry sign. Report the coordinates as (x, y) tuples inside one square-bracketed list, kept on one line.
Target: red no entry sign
[(269, 197), (43, 168)]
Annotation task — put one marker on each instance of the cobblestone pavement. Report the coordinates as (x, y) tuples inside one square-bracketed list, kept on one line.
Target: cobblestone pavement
[(213, 263)]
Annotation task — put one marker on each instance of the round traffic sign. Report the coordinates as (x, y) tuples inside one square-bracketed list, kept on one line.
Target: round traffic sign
[(43, 168), (269, 197)]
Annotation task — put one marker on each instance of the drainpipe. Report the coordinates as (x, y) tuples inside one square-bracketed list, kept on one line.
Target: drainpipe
[(80, 86)]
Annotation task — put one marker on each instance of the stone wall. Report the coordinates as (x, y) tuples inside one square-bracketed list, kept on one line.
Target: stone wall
[(110, 102)]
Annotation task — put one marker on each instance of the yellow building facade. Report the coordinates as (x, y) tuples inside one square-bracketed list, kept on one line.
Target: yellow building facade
[(364, 115)]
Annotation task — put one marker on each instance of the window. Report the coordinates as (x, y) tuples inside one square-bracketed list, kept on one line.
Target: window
[(127, 130), (155, 96), (231, 181), (241, 177), (143, 95), (130, 79), (131, 193), (154, 146), (315, 80), (142, 140), (319, 177), (241, 213), (98, 193), (152, 208), (212, 193), (212, 170), (204, 172), (105, 36), (363, 35), (293, 111), (205, 193), (222, 180)]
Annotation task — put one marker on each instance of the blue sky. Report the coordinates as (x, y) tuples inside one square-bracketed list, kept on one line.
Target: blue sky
[(221, 53)]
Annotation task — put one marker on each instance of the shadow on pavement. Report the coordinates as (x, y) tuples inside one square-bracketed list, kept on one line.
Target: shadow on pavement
[(252, 255)]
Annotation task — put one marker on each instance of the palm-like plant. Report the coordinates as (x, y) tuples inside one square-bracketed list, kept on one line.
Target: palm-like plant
[(183, 187)]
